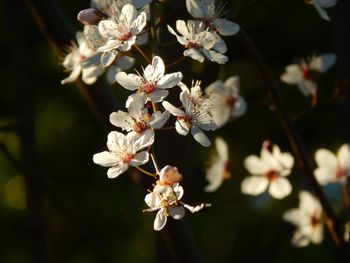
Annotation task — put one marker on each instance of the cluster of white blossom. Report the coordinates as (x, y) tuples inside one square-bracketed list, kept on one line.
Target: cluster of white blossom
[(112, 28), (201, 38)]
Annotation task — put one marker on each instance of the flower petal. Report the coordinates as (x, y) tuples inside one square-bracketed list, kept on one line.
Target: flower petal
[(158, 119), (177, 212), (106, 159), (226, 27), (140, 159), (160, 220), (128, 81), (169, 80), (344, 157), (172, 109), (254, 185), (115, 171), (199, 136), (280, 188)]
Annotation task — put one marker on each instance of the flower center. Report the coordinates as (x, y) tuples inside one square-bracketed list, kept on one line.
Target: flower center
[(185, 118), (314, 220), (193, 45), (148, 87), (207, 22), (125, 37), (310, 74), (339, 173), (230, 102), (127, 158), (139, 127), (271, 175)]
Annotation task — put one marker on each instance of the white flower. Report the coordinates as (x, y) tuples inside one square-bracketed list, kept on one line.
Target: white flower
[(195, 115), (320, 5), (199, 42), (73, 62), (305, 73), (137, 118), (210, 16), (333, 168), (218, 171), (268, 171), (166, 200), (124, 150), (121, 30), (308, 220), (227, 102), (153, 84)]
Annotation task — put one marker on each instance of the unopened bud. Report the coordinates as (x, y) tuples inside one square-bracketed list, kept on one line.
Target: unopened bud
[(90, 16), (268, 145), (169, 175)]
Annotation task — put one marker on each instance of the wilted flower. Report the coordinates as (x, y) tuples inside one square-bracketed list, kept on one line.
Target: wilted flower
[(308, 220), (124, 150), (320, 5), (306, 72), (199, 42), (166, 200), (333, 168), (169, 175), (195, 115), (137, 118), (227, 102), (268, 171), (218, 170), (211, 16), (153, 84), (73, 62)]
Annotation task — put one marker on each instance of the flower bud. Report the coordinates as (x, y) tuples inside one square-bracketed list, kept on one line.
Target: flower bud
[(90, 16)]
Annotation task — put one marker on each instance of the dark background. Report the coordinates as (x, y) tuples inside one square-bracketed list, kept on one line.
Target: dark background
[(56, 203)]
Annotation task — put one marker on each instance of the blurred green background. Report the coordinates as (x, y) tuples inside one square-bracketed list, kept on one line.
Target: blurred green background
[(87, 217)]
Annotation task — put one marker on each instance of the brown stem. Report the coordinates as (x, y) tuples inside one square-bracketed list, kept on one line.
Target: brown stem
[(292, 134), (175, 62), (143, 54)]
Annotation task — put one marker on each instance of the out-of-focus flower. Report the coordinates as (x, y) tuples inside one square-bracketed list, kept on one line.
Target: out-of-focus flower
[(165, 198), (137, 118), (227, 102), (153, 84), (268, 172), (194, 117), (199, 42), (333, 168), (218, 170), (308, 220), (306, 72), (320, 5), (211, 16), (73, 62), (124, 150), (120, 63)]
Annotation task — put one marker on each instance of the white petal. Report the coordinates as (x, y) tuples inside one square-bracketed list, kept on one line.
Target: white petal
[(158, 95), (156, 70), (293, 74), (122, 120), (160, 220), (128, 81), (158, 119), (226, 27), (172, 109), (106, 159), (327, 159), (321, 11), (323, 63), (139, 159), (115, 171), (182, 28), (317, 234), (182, 127), (108, 58), (221, 148), (115, 141), (177, 212), (139, 24), (73, 76), (145, 140), (308, 203), (254, 185), (194, 54), (293, 216), (254, 165), (327, 3), (169, 80), (92, 61), (240, 107), (215, 176), (344, 157), (307, 87), (151, 199), (199, 136), (108, 28), (216, 57), (280, 188)]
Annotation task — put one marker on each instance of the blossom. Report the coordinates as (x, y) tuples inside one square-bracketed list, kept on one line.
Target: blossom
[(73, 62), (165, 199), (210, 16), (153, 84), (306, 72), (227, 102), (320, 5), (169, 175), (308, 220), (199, 42), (123, 151), (195, 115), (333, 168), (218, 171), (268, 171), (137, 118)]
